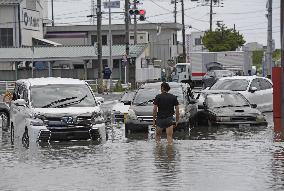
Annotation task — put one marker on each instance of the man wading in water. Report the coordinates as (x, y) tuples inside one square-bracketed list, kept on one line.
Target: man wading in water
[(165, 105)]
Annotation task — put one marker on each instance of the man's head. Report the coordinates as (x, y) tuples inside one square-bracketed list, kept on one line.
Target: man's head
[(165, 87)]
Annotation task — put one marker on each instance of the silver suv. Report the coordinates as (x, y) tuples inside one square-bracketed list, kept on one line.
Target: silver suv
[(55, 109)]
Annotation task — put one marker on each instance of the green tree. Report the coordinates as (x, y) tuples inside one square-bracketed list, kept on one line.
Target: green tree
[(222, 39)]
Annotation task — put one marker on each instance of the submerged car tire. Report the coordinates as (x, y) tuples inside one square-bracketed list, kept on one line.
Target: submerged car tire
[(127, 131), (12, 132), (26, 139)]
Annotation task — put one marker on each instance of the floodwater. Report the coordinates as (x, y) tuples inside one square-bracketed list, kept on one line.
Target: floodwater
[(218, 159)]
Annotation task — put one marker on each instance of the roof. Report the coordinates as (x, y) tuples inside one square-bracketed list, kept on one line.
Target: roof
[(8, 2), (50, 80), (114, 27), (49, 53)]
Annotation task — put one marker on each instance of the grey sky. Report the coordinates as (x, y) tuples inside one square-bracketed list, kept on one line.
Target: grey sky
[(247, 15)]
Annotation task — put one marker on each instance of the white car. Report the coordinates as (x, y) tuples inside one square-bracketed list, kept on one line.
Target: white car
[(55, 109), (258, 90)]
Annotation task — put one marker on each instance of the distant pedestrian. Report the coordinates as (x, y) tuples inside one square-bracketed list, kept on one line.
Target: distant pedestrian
[(165, 106), (107, 73)]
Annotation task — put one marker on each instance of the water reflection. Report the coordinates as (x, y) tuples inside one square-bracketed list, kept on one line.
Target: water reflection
[(167, 162)]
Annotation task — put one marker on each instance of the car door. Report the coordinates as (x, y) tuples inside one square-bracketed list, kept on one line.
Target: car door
[(267, 94), (254, 97)]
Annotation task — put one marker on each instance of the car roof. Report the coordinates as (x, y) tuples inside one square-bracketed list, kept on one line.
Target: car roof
[(243, 77), (49, 80), (158, 85)]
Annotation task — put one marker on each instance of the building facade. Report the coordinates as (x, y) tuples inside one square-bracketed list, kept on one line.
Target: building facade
[(22, 22), (161, 38)]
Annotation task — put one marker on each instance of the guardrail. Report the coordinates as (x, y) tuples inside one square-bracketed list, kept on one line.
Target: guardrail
[(6, 86)]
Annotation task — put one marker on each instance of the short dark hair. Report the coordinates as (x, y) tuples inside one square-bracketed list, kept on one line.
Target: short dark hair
[(165, 86)]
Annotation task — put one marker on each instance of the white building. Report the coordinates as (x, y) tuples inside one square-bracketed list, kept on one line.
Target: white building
[(194, 42), (22, 22)]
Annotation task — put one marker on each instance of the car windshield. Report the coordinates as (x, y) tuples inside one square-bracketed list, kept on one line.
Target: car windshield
[(149, 94), (231, 84), (59, 95), (225, 100)]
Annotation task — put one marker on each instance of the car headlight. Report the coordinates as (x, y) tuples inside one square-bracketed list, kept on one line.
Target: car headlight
[(97, 118), (131, 114), (223, 119), (37, 122), (181, 112), (260, 118)]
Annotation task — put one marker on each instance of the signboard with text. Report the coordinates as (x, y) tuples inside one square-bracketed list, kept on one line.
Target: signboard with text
[(112, 4)]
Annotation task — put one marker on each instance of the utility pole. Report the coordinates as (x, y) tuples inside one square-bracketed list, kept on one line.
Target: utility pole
[(269, 39), (126, 37), (183, 32), (93, 8), (52, 15), (211, 14), (175, 11), (135, 23), (110, 42), (99, 43)]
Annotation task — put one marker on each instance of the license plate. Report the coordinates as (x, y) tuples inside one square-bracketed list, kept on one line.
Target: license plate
[(151, 129), (244, 125)]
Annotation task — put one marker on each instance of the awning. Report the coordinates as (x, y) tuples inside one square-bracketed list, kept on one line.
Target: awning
[(44, 42)]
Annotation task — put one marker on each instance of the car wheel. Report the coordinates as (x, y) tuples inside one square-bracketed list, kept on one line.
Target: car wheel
[(209, 123), (5, 120), (12, 134), (26, 139), (127, 131)]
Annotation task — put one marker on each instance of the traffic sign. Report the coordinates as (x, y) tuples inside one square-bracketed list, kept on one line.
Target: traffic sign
[(113, 4)]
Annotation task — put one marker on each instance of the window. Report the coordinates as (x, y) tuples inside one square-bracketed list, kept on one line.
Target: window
[(116, 63), (96, 63), (95, 39), (255, 83), (118, 39), (197, 41), (264, 84), (141, 37), (132, 37), (6, 37)]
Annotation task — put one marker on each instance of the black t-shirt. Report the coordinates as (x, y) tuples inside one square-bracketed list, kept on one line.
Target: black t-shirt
[(166, 103)]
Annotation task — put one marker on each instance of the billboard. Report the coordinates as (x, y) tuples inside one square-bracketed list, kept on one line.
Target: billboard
[(31, 20)]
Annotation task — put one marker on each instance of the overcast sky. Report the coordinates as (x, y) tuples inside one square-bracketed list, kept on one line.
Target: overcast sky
[(247, 15)]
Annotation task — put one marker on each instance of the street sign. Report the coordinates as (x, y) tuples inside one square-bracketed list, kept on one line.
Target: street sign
[(113, 4)]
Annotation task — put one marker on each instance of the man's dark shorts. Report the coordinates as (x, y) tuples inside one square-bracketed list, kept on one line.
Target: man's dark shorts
[(165, 123)]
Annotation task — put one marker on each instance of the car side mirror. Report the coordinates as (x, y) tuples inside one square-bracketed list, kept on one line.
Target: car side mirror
[(253, 105), (127, 103), (203, 106), (252, 89), (100, 99), (20, 102)]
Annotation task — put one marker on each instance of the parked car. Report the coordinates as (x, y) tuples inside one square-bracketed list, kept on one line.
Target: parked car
[(55, 109), (227, 108), (140, 113), (121, 107), (258, 90), (212, 76)]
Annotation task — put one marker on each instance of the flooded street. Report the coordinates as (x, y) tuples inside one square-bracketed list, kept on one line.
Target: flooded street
[(216, 159)]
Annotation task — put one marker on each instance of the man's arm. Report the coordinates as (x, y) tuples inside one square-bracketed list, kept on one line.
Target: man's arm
[(155, 109), (177, 114)]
